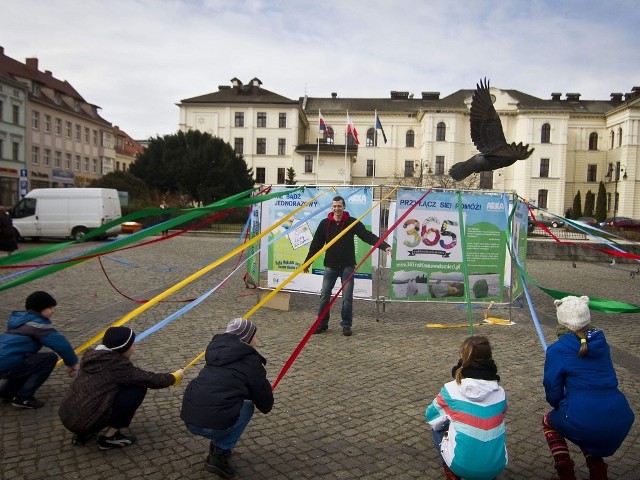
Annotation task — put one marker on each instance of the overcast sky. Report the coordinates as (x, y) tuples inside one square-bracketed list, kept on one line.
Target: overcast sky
[(137, 58)]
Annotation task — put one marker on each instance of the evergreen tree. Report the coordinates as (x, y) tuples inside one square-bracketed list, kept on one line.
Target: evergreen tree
[(601, 203), (589, 204), (291, 177), (576, 209)]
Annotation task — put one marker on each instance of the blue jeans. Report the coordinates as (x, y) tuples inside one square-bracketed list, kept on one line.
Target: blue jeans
[(438, 436), (29, 376), (328, 282), (226, 438)]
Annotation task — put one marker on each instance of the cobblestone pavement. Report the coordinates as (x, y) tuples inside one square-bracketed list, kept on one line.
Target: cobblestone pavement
[(349, 408)]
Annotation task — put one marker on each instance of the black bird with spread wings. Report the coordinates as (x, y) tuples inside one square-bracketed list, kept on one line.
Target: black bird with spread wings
[(488, 137)]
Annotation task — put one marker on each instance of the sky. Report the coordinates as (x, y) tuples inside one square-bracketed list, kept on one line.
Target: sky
[(136, 59)]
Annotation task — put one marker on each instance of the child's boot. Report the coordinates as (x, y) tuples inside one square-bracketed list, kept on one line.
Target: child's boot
[(565, 470), (559, 450), (218, 462), (448, 474), (597, 468)]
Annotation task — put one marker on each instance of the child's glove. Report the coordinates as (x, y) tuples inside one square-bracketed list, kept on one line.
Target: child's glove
[(177, 375)]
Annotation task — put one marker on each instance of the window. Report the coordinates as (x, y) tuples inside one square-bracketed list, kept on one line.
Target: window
[(441, 132), (486, 180), (95, 137), (281, 172), (1, 110), (544, 167), (86, 134), (47, 123), (370, 167), (593, 141), (238, 145), (282, 120), (282, 146), (95, 165), (371, 135), (76, 105), (15, 151), (57, 162), (57, 97), (329, 135), (410, 138), (68, 129), (620, 136), (78, 162), (612, 135), (608, 202), (46, 161), (262, 120), (35, 155), (67, 161), (308, 164), (239, 122), (35, 89), (86, 164), (545, 133), (261, 146), (351, 140), (35, 120), (16, 114), (592, 171), (1, 147), (408, 168), (58, 126), (78, 133), (261, 175), (542, 198), (439, 164)]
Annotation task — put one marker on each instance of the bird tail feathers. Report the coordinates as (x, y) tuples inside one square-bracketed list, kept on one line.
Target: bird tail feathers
[(462, 170)]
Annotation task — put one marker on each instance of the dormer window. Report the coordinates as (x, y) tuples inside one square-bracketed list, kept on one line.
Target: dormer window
[(35, 89), (57, 97), (76, 105)]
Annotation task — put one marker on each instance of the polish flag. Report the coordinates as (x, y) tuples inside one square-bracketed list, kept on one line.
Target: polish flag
[(351, 130)]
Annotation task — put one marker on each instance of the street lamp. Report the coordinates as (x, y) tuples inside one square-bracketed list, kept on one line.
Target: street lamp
[(610, 173)]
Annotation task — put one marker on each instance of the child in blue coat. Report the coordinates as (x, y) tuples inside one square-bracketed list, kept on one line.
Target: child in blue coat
[(581, 386)]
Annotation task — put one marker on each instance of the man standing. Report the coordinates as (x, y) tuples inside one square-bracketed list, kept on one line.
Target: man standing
[(339, 259)]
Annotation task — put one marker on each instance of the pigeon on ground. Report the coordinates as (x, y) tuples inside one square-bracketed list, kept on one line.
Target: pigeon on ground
[(488, 137)]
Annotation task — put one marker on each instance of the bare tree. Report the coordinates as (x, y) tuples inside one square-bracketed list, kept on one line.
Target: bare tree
[(423, 176)]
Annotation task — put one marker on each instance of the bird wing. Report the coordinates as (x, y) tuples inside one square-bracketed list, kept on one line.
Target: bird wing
[(513, 151), (486, 128)]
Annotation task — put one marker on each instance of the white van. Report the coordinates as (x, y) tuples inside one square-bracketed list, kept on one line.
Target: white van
[(66, 212)]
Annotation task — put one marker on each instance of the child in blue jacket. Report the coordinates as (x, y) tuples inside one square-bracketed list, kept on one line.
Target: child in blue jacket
[(22, 364), (581, 386)]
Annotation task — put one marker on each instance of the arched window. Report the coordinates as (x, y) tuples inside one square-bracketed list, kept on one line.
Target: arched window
[(612, 138), (329, 136), (620, 136), (411, 138), (545, 133), (593, 141), (441, 132), (371, 135)]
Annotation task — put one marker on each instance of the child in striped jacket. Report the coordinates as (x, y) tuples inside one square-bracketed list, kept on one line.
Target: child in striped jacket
[(467, 416)]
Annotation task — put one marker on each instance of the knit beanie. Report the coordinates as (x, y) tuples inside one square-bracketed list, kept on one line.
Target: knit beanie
[(118, 339), (573, 312), (39, 301), (245, 329)]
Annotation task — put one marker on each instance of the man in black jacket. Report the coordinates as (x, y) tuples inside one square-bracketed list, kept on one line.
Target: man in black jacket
[(219, 403), (339, 259)]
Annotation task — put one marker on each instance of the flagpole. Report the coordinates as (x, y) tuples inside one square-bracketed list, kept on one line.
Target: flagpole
[(346, 141), (317, 162), (375, 144)]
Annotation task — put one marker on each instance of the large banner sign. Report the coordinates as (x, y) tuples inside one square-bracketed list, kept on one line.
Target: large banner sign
[(428, 259), (288, 245)]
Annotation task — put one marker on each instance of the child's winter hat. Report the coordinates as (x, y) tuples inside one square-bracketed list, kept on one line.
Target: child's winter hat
[(573, 312), (39, 301), (118, 339), (245, 329)]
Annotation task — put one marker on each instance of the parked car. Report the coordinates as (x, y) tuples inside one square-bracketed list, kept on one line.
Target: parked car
[(549, 221), (621, 223)]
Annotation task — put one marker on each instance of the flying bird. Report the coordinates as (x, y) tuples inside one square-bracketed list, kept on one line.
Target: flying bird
[(488, 137)]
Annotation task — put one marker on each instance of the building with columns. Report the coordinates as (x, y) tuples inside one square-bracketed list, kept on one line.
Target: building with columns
[(578, 143)]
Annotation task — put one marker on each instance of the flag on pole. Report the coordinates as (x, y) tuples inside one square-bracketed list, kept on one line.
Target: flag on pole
[(351, 130), (323, 125), (379, 126)]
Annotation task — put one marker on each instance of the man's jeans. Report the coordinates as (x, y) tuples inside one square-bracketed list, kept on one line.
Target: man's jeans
[(328, 282), (29, 376), (226, 438)]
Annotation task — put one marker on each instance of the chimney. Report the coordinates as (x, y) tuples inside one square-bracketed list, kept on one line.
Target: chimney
[(32, 64), (1, 50), (573, 97), (48, 72), (430, 95), (334, 94), (628, 96), (395, 95), (555, 96), (616, 97), (636, 91)]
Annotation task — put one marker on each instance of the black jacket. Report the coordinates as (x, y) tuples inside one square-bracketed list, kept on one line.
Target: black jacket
[(234, 371), (343, 252)]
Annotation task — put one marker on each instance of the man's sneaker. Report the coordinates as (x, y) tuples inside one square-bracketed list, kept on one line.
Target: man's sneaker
[(26, 402), (118, 440), (81, 440), (346, 331), (218, 462), (321, 329)]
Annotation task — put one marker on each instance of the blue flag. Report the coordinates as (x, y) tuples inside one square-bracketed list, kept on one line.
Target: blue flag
[(379, 126)]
